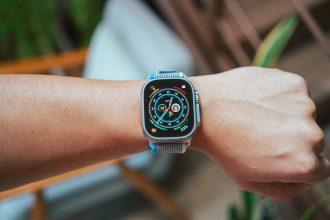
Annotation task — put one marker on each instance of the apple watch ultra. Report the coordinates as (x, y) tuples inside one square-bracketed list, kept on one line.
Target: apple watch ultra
[(170, 112)]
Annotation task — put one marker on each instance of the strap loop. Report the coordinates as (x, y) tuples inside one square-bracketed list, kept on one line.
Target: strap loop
[(167, 74), (168, 147)]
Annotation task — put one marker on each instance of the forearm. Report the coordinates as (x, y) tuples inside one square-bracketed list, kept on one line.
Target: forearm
[(52, 124)]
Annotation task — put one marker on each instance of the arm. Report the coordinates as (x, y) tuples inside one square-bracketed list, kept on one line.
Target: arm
[(50, 125), (256, 123)]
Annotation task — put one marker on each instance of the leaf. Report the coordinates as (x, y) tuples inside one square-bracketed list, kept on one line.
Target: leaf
[(233, 213), (267, 213), (250, 201), (274, 43), (85, 24), (30, 28), (311, 212)]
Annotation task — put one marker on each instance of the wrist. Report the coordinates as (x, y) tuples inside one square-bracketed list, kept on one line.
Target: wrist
[(170, 112), (212, 103), (123, 117)]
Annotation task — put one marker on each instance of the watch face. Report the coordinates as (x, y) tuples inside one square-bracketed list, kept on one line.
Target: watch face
[(168, 108)]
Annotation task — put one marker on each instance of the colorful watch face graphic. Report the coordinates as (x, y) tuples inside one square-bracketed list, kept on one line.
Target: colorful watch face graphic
[(168, 108)]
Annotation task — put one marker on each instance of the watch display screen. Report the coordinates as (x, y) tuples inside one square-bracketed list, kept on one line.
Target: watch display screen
[(168, 108)]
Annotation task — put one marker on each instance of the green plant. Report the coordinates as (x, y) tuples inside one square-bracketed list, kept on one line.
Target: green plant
[(312, 211), (39, 27), (273, 45), (267, 55)]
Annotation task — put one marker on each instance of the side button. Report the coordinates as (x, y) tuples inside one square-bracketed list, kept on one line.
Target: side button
[(198, 117), (197, 96)]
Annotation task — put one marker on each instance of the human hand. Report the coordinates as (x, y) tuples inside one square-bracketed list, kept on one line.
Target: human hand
[(258, 124)]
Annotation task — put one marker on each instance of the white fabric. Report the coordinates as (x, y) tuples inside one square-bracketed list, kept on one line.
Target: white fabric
[(132, 42), (109, 59)]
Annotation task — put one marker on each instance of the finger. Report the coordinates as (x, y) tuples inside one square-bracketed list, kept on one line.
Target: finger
[(312, 108), (316, 137), (279, 190), (311, 169), (319, 146), (321, 171), (306, 169)]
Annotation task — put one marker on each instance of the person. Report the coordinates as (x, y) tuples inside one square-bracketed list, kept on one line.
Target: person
[(257, 124)]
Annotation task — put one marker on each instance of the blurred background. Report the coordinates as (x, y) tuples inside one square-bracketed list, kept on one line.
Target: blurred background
[(127, 39)]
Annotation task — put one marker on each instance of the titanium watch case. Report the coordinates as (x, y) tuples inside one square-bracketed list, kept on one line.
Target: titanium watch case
[(183, 139)]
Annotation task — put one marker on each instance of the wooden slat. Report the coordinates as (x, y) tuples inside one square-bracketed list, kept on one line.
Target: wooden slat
[(39, 210), (232, 43), (45, 64), (39, 185), (264, 14), (243, 22), (312, 24), (202, 30), (170, 12), (153, 192)]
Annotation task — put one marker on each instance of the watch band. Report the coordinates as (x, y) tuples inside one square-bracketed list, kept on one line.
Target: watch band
[(168, 147), (167, 74)]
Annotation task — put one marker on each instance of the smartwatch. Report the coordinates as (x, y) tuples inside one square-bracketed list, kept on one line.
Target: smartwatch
[(170, 111)]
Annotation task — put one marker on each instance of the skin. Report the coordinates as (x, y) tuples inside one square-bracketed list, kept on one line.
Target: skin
[(257, 124)]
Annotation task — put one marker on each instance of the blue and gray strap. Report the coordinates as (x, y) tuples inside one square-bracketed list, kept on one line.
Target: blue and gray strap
[(166, 74), (168, 147)]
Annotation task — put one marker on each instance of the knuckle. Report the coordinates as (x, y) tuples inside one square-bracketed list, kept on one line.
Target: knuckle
[(309, 131), (312, 108), (304, 129), (312, 134), (307, 167), (309, 106), (317, 136), (300, 81)]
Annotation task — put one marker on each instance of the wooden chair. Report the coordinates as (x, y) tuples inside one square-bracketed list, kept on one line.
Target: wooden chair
[(311, 24), (208, 30), (208, 35), (71, 63)]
